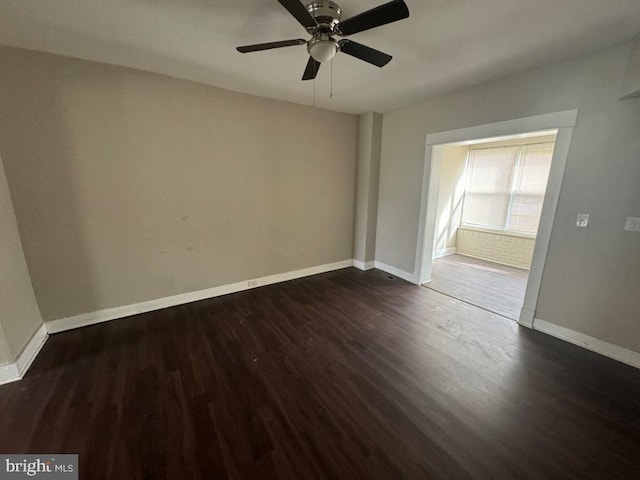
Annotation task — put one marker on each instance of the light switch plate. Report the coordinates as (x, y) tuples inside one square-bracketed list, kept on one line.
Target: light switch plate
[(583, 220), (632, 224)]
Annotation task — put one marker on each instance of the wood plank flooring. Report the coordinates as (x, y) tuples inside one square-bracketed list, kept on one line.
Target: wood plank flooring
[(498, 288), (345, 375)]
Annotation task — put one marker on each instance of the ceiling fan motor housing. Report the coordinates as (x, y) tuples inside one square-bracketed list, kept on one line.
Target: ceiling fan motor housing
[(322, 47), (327, 14)]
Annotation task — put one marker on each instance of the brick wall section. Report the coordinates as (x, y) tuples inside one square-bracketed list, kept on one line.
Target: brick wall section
[(496, 247)]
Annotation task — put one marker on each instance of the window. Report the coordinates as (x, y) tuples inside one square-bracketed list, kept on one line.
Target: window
[(505, 187)]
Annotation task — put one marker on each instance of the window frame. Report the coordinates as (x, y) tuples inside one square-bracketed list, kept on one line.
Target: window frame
[(517, 172)]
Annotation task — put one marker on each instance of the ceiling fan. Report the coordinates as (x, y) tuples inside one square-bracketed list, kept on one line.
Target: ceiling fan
[(323, 21)]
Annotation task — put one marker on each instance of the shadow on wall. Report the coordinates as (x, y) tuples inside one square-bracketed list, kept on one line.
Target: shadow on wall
[(41, 163), (448, 221), (450, 196)]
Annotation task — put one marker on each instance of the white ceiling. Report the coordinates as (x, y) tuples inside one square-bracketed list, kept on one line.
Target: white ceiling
[(444, 45)]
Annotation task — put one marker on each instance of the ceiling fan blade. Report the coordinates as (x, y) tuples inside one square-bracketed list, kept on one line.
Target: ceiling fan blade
[(312, 69), (368, 54), (381, 15), (267, 46), (300, 13)]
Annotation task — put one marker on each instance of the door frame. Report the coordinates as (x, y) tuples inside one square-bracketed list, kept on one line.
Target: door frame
[(564, 122)]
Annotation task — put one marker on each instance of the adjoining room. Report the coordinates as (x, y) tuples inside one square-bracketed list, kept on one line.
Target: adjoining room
[(490, 198)]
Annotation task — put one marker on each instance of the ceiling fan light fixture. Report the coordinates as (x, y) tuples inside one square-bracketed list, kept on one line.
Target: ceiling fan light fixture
[(322, 49), (322, 19)]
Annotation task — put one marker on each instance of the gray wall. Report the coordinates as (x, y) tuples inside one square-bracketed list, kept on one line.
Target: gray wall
[(631, 81), (367, 180), (592, 275), (19, 314), (130, 186)]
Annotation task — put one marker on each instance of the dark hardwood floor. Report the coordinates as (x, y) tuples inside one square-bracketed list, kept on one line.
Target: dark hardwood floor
[(345, 375), (498, 288)]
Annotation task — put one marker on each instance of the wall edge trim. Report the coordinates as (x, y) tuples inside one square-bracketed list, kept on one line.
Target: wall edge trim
[(610, 350), (12, 372), (560, 119), (409, 277), (364, 266), (105, 315), (445, 252)]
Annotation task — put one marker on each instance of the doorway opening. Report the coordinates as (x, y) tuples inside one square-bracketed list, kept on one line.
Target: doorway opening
[(490, 195), (472, 213)]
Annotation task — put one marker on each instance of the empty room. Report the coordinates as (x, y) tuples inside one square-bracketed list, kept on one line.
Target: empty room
[(243, 239)]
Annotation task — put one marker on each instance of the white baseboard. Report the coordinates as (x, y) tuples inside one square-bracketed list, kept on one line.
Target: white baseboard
[(8, 373), (607, 349), (444, 252), (409, 277), (105, 315), (526, 317), (16, 370), (364, 266)]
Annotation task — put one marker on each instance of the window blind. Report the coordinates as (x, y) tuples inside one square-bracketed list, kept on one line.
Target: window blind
[(505, 187), (489, 179), (529, 188)]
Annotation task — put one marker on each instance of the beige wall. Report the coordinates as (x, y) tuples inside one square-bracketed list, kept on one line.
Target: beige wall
[(5, 352), (19, 314), (367, 180), (591, 275), (502, 248), (130, 186), (450, 194)]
